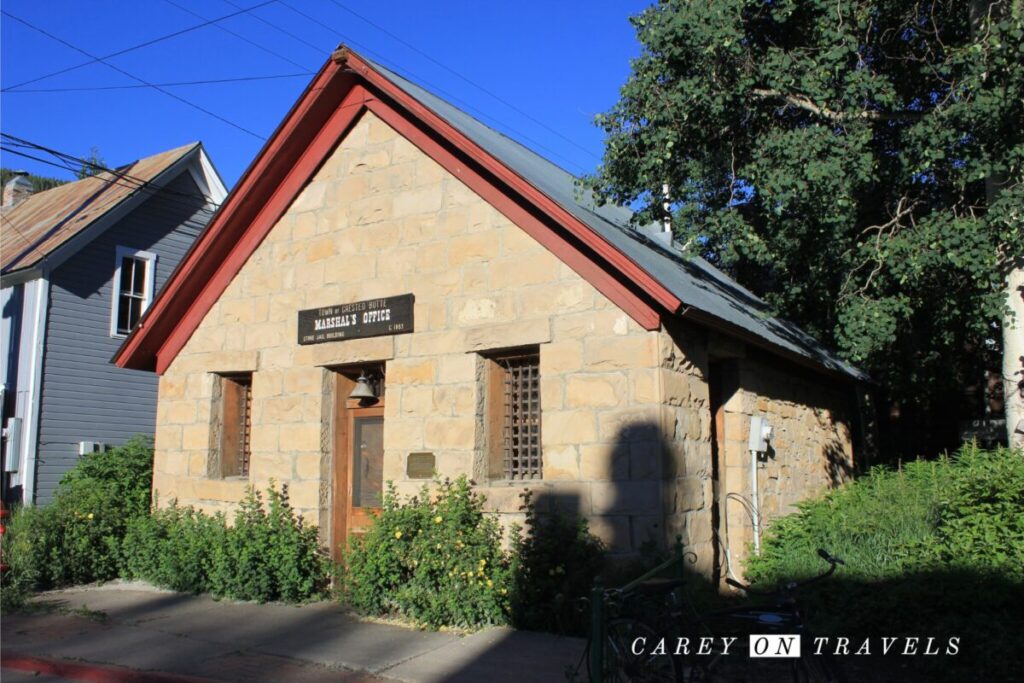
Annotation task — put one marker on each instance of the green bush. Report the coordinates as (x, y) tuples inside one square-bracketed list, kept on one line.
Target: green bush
[(21, 556), (936, 548), (980, 524), (435, 559), (267, 554), (172, 548), (78, 535), (554, 563)]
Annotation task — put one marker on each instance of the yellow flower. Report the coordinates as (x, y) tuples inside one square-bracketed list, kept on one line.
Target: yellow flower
[(89, 515), (398, 534), (504, 591), (483, 563), (438, 519), (490, 583)]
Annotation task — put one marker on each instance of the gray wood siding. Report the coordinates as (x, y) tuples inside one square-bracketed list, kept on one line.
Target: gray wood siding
[(85, 397)]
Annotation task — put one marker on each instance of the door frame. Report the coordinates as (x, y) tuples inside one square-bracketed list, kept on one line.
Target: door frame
[(346, 410)]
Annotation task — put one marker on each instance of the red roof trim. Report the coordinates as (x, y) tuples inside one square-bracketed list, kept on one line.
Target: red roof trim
[(272, 210), (615, 257), (569, 250), (309, 133)]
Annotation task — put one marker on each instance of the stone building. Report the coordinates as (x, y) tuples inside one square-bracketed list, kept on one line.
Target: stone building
[(386, 243)]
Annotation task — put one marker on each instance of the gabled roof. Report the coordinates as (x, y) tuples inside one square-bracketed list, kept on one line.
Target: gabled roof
[(45, 221), (696, 283), (648, 280)]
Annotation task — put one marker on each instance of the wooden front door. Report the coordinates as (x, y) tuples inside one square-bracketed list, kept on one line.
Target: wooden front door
[(358, 465)]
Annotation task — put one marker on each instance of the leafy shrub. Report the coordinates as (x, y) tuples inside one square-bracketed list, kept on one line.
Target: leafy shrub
[(78, 535), (980, 524), (936, 548), (21, 556), (554, 563), (436, 559), (268, 554), (171, 547)]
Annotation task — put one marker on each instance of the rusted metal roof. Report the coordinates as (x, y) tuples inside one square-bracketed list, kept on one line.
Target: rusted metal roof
[(39, 225)]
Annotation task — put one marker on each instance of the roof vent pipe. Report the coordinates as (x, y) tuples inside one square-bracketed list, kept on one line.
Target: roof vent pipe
[(17, 189)]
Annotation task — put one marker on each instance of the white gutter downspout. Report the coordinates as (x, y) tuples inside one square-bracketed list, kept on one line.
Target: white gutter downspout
[(760, 433), (756, 514), (30, 443)]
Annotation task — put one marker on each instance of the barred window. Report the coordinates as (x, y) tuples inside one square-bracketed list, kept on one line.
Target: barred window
[(513, 399), (235, 424)]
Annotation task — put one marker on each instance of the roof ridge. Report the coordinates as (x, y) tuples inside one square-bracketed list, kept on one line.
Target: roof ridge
[(691, 278)]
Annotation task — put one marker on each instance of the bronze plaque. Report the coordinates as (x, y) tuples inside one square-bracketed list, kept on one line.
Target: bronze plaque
[(419, 465)]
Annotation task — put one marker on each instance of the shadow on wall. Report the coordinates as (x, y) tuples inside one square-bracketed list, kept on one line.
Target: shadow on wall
[(837, 464), (637, 512)]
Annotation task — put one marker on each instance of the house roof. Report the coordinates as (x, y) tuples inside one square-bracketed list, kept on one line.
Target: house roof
[(696, 283), (647, 279), (42, 223)]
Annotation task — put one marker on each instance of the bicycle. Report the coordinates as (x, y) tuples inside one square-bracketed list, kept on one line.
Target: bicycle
[(717, 643)]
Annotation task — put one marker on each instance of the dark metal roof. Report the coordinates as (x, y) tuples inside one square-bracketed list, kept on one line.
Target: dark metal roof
[(693, 280)]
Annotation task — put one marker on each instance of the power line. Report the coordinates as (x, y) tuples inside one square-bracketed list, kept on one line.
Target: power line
[(134, 77), (198, 219), (464, 78), (155, 192), (118, 178), (129, 181), (139, 46), (436, 89), (287, 33), (240, 36), (163, 85)]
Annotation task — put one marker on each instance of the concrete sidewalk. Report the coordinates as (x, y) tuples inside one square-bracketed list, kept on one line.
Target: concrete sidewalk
[(127, 629)]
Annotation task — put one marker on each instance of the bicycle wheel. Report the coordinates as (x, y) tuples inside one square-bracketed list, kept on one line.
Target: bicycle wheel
[(622, 664)]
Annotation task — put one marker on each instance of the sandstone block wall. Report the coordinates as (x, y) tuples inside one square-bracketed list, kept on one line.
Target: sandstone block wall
[(626, 413), (811, 449), (380, 219)]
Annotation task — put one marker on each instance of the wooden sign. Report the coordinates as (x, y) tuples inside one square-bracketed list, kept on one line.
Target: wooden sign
[(370, 318)]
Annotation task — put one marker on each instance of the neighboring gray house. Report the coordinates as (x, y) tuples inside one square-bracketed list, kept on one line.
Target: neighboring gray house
[(79, 265)]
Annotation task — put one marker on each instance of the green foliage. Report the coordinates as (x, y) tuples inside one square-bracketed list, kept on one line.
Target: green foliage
[(832, 155), (79, 534), (267, 554), (435, 559), (554, 564), (172, 548), (980, 524), (18, 547), (934, 547), (93, 164), (99, 527)]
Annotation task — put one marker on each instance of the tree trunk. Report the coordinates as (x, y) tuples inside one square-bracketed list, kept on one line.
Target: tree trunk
[(1013, 320), (1013, 357)]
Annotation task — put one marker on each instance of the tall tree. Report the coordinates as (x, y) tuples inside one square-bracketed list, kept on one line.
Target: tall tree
[(833, 156), (91, 165)]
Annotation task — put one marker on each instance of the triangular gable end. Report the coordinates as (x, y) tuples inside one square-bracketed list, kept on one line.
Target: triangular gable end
[(343, 90)]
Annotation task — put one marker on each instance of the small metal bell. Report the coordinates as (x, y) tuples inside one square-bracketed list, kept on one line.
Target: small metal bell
[(363, 390)]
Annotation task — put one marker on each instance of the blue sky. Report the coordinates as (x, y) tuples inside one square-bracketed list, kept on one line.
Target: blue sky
[(556, 63)]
